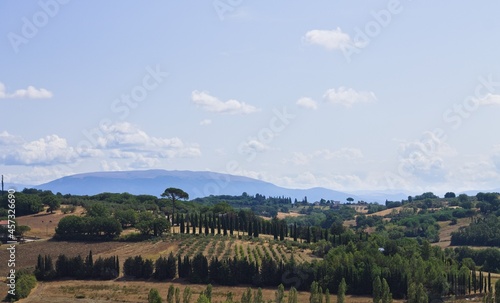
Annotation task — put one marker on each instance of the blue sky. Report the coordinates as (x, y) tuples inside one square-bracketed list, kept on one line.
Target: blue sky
[(372, 95)]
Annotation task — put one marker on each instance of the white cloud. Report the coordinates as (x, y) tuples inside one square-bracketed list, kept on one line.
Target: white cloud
[(115, 141), (110, 166), (495, 157), (343, 153), (38, 175), (205, 122), (307, 103), (424, 158), (44, 151), (8, 139), (348, 96), (490, 99), (300, 158), (331, 39), (255, 145), (29, 93), (212, 104), (125, 140)]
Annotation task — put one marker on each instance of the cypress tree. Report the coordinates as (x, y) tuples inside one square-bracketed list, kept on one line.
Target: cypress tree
[(206, 226), (170, 294), (341, 291), (489, 282), (295, 232), (386, 292), (183, 227), (280, 294), (292, 295), (200, 225), (377, 290)]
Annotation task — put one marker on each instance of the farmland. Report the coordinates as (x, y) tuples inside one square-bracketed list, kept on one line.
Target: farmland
[(236, 248)]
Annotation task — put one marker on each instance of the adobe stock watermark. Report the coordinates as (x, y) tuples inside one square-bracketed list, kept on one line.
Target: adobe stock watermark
[(454, 117), (223, 7), (31, 26), (461, 111), (372, 29), (263, 137), (297, 277), (123, 105)]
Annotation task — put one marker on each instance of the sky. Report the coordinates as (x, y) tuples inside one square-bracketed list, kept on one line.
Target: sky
[(367, 95)]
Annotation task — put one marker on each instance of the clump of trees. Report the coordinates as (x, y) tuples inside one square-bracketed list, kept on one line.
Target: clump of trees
[(88, 228), (25, 282), (77, 267), (481, 232)]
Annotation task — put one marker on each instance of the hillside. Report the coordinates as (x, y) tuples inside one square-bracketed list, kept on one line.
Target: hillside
[(196, 183)]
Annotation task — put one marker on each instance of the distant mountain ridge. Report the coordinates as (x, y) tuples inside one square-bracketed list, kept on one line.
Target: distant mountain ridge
[(196, 183)]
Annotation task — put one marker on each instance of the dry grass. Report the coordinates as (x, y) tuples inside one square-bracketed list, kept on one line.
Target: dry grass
[(282, 215), (386, 211), (446, 229), (43, 224), (137, 291)]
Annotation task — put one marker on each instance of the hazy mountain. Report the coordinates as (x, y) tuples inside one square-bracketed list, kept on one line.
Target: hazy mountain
[(195, 183)]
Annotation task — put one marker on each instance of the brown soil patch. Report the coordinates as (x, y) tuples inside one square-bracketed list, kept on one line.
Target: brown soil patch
[(446, 229), (386, 211), (43, 224)]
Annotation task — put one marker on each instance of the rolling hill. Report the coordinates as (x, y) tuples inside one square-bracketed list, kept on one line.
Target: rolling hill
[(195, 183)]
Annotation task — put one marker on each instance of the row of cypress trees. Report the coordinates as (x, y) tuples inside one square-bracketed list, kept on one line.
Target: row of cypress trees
[(77, 267)]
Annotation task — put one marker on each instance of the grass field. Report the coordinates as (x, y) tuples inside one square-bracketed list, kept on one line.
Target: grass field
[(122, 290), (43, 226), (137, 291), (446, 229)]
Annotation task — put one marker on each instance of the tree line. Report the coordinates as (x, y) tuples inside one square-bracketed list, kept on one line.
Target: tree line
[(77, 267)]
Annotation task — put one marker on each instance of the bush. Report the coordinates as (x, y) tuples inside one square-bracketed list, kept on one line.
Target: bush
[(25, 282), (68, 209)]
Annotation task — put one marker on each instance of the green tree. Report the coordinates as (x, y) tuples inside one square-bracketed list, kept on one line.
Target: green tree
[(97, 210), (202, 299), (170, 294), (377, 290), (21, 230), (174, 194), (449, 195), (316, 295), (292, 295), (208, 292), (327, 296), (497, 291), (127, 218), (412, 293), (258, 296), (341, 292), (222, 208), (25, 282), (246, 297), (280, 294), (386, 292), (177, 295), (154, 296), (421, 296), (186, 295), (53, 203)]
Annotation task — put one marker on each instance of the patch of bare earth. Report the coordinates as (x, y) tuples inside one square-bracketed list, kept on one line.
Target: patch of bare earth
[(43, 224), (386, 211), (446, 230)]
